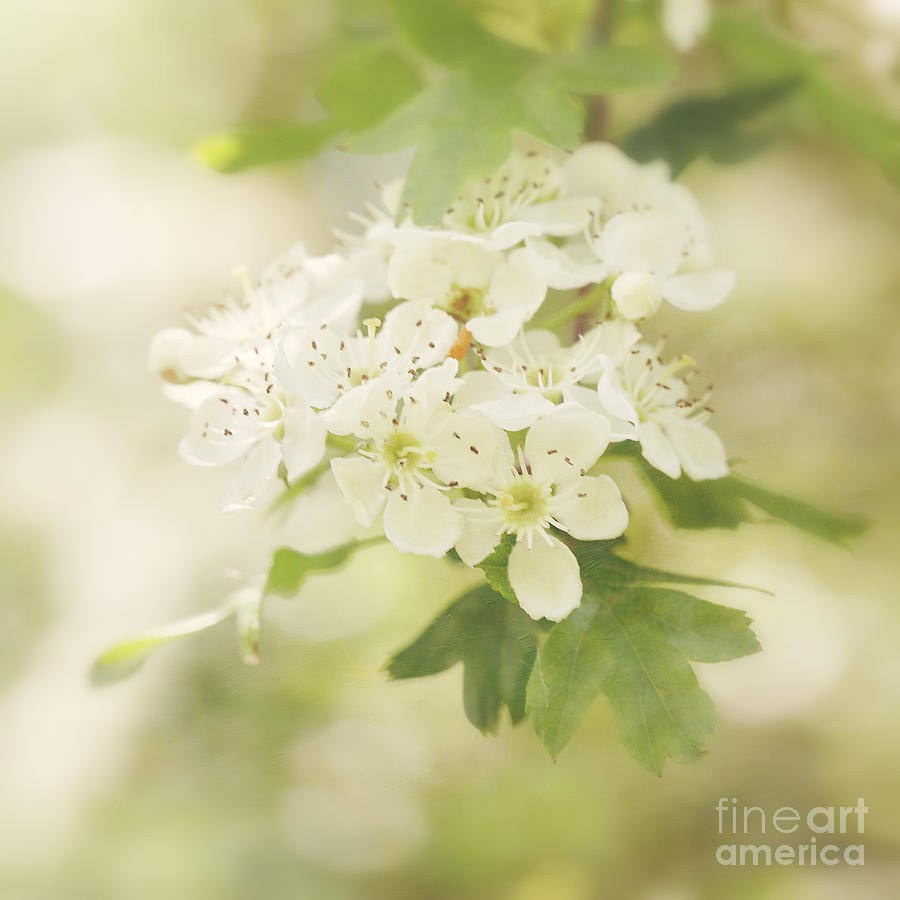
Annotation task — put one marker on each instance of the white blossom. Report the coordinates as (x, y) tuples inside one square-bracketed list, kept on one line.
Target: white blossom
[(526, 379), (256, 420), (329, 367), (233, 335), (662, 414), (525, 197), (546, 484), (493, 293), (414, 449), (647, 235)]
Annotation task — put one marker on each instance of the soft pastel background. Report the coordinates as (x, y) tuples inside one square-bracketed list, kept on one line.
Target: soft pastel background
[(312, 776)]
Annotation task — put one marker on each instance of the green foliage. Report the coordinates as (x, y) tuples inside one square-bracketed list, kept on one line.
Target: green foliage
[(494, 641), (264, 144), (634, 644), (495, 568), (126, 657), (726, 127), (799, 513), (759, 53), (287, 573), (361, 86), (462, 125), (365, 83), (290, 568), (607, 69), (727, 502), (599, 564)]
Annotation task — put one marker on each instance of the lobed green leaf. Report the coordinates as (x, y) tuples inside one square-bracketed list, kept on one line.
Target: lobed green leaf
[(634, 645), (608, 68), (726, 127), (727, 502), (494, 641), (365, 83)]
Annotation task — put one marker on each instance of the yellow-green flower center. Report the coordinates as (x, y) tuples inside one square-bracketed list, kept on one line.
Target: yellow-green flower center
[(524, 505), (401, 451), (464, 303)]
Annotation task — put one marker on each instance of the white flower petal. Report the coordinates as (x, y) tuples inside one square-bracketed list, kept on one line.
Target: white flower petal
[(499, 328), (206, 357), (699, 448), (643, 242), (518, 283), (636, 294), (481, 530), (565, 270), (515, 411), (191, 394), (619, 429), (591, 509), (164, 357), (414, 275), (698, 291), (613, 396), (563, 217), (417, 331), (303, 444), (657, 449), (469, 450), (566, 442), (471, 265), (546, 578), (599, 169), (217, 436), (256, 478), (479, 386), (362, 483), (509, 234), (423, 521)]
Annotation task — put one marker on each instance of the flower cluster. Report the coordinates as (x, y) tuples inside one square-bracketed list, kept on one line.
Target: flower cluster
[(464, 380)]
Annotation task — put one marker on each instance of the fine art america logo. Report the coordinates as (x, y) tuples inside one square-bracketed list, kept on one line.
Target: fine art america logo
[(788, 836)]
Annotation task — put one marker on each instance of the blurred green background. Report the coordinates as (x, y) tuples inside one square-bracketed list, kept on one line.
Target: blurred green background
[(312, 776)]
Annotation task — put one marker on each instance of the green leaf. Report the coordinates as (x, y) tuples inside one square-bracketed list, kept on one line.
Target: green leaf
[(290, 568), (126, 657), (687, 503), (811, 519), (365, 83), (702, 631), (726, 128), (601, 567), (452, 36), (760, 52), (607, 69), (634, 644), (865, 128), (727, 502), (495, 642), (462, 125), (758, 49), (495, 568), (264, 144)]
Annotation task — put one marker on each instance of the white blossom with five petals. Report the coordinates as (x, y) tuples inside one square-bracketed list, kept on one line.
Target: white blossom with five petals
[(661, 414), (546, 484)]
